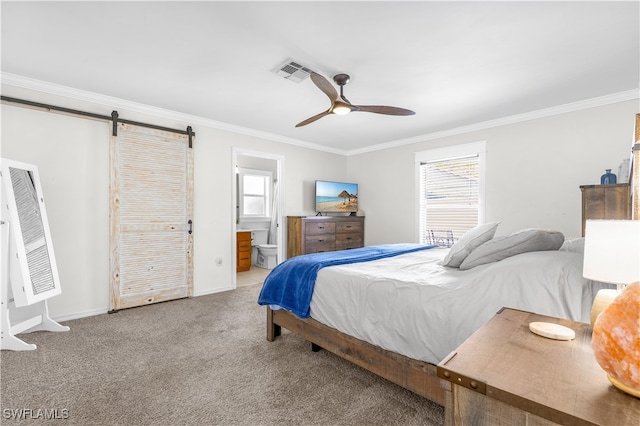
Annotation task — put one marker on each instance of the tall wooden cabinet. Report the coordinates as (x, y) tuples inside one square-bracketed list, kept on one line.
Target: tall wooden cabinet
[(243, 251), (605, 202), (317, 234)]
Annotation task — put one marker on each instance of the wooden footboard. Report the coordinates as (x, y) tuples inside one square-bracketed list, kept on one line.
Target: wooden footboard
[(417, 376)]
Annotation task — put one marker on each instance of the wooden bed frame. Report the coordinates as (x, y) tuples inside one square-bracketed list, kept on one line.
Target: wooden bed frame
[(417, 376)]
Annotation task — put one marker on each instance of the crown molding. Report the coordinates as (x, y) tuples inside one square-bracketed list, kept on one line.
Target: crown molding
[(82, 95), (629, 95), (118, 103)]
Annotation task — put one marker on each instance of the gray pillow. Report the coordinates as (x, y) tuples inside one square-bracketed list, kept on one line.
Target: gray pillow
[(468, 242), (509, 245)]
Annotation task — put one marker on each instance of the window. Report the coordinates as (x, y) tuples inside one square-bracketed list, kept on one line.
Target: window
[(450, 192), (255, 193)]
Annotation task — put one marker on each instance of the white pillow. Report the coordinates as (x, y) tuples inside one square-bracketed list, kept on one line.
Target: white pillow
[(468, 242), (573, 245), (509, 245)]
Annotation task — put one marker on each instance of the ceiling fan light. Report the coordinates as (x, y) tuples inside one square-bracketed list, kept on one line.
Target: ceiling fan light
[(341, 109)]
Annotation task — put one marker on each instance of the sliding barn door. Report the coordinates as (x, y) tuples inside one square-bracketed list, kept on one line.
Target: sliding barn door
[(151, 209)]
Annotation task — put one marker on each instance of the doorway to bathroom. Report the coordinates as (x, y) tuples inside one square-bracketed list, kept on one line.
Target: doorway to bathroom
[(257, 192)]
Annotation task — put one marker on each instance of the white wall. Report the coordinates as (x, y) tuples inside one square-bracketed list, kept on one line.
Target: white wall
[(72, 158), (72, 155), (534, 170)]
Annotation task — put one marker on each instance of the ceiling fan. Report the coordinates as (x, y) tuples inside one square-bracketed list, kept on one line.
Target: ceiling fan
[(341, 105)]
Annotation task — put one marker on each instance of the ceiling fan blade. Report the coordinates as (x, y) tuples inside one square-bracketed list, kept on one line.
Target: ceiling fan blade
[(324, 85), (388, 110), (314, 118)]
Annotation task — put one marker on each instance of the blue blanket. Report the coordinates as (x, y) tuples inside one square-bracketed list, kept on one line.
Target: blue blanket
[(290, 284)]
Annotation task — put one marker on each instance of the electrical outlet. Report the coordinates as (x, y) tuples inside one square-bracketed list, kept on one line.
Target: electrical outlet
[(218, 261)]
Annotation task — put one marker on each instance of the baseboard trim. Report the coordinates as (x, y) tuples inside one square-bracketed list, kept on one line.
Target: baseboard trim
[(212, 291), (78, 315), (93, 312)]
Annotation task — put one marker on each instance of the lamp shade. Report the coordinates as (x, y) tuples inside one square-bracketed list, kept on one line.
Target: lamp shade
[(612, 251)]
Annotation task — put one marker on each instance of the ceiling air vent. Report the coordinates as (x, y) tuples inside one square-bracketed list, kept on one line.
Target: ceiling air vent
[(293, 71)]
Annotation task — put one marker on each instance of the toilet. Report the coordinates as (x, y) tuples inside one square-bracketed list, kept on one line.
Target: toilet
[(263, 255)]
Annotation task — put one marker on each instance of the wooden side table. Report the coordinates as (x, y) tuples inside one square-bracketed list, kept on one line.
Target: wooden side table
[(506, 375)]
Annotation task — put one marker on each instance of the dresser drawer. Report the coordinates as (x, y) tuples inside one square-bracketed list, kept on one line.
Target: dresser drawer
[(314, 240), (348, 227), (320, 243), (320, 248), (316, 228), (348, 241)]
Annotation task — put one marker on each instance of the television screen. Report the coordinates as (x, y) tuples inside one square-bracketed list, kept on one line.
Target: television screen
[(336, 197)]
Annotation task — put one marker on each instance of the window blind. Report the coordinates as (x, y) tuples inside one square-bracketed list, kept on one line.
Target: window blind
[(449, 196)]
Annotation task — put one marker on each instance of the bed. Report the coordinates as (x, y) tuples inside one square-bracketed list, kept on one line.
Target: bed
[(400, 314), (563, 292)]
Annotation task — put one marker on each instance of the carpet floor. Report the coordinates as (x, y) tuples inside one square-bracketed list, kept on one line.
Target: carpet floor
[(198, 361)]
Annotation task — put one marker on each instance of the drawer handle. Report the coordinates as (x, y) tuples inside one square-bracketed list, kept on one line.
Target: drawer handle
[(348, 226), (348, 238), (320, 241)]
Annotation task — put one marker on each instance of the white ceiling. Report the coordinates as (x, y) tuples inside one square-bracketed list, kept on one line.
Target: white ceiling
[(455, 64)]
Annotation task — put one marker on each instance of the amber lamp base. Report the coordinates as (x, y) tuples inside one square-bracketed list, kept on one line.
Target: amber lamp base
[(624, 388), (616, 340)]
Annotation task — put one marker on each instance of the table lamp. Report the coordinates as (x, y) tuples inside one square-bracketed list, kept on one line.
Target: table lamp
[(612, 255), (612, 251)]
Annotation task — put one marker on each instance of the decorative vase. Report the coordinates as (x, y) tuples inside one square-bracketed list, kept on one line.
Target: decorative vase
[(616, 340), (608, 178)]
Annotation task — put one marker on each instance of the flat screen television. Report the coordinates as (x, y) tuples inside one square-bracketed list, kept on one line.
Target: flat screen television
[(336, 197)]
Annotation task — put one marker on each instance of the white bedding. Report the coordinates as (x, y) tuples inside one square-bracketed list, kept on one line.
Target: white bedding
[(412, 305)]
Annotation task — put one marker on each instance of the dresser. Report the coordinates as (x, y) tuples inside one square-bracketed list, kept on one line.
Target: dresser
[(243, 251), (317, 234), (605, 202)]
